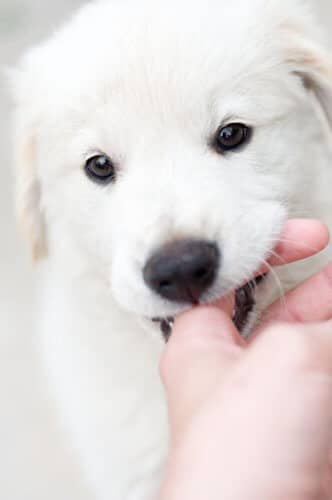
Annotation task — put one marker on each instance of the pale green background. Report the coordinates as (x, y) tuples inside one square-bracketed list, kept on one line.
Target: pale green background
[(33, 461)]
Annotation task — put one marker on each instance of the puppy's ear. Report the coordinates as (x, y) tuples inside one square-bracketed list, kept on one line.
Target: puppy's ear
[(312, 63), (27, 187), (28, 196), (28, 199), (23, 85)]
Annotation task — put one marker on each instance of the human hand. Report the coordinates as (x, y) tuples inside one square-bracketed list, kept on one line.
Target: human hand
[(253, 421)]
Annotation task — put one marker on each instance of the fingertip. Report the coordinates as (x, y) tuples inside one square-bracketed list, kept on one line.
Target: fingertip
[(300, 239), (203, 337), (325, 235), (311, 229), (319, 232), (207, 322)]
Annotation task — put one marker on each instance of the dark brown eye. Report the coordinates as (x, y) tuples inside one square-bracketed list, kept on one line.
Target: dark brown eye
[(100, 169), (232, 137)]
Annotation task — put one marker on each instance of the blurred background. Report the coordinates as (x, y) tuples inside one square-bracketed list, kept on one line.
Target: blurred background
[(34, 461)]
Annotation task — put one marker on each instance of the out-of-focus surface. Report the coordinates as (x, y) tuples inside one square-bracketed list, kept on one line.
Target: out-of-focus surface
[(34, 461)]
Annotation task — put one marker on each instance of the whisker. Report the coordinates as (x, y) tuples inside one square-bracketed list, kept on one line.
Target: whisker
[(278, 283), (278, 257)]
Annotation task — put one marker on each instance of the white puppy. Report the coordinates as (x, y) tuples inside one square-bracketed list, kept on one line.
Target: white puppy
[(160, 148)]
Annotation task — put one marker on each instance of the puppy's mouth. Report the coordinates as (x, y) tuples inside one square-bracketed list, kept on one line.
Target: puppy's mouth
[(243, 306)]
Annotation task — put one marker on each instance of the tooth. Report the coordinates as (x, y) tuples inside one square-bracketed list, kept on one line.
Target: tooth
[(166, 327)]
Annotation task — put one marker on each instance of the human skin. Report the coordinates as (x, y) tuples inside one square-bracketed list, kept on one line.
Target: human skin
[(253, 420)]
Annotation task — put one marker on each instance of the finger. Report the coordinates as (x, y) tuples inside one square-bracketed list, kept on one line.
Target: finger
[(288, 375), (203, 347), (310, 302), (301, 238), (295, 347), (200, 335)]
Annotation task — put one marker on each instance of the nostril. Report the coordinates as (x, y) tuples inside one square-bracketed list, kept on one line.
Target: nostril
[(165, 284), (202, 273)]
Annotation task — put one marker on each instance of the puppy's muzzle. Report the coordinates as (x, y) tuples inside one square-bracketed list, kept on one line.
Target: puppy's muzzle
[(183, 270)]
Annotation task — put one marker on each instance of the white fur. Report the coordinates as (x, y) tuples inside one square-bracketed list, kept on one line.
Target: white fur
[(149, 83)]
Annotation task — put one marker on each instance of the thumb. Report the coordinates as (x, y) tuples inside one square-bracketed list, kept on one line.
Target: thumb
[(203, 347)]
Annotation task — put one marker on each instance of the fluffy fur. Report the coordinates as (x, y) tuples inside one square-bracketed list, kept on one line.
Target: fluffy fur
[(149, 83)]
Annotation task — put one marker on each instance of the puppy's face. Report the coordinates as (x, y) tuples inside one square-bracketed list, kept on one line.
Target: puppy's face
[(168, 148)]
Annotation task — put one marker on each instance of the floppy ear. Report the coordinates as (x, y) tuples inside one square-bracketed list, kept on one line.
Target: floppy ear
[(312, 63), (23, 85), (28, 206)]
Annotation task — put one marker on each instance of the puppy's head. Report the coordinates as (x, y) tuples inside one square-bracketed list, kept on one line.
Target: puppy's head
[(167, 144)]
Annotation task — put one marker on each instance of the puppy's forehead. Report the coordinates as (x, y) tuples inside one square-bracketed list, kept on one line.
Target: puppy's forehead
[(144, 49)]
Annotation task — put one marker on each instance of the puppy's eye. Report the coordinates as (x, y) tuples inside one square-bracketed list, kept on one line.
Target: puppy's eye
[(100, 169), (232, 137)]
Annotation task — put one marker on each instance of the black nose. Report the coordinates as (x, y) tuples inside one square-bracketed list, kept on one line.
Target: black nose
[(183, 270)]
